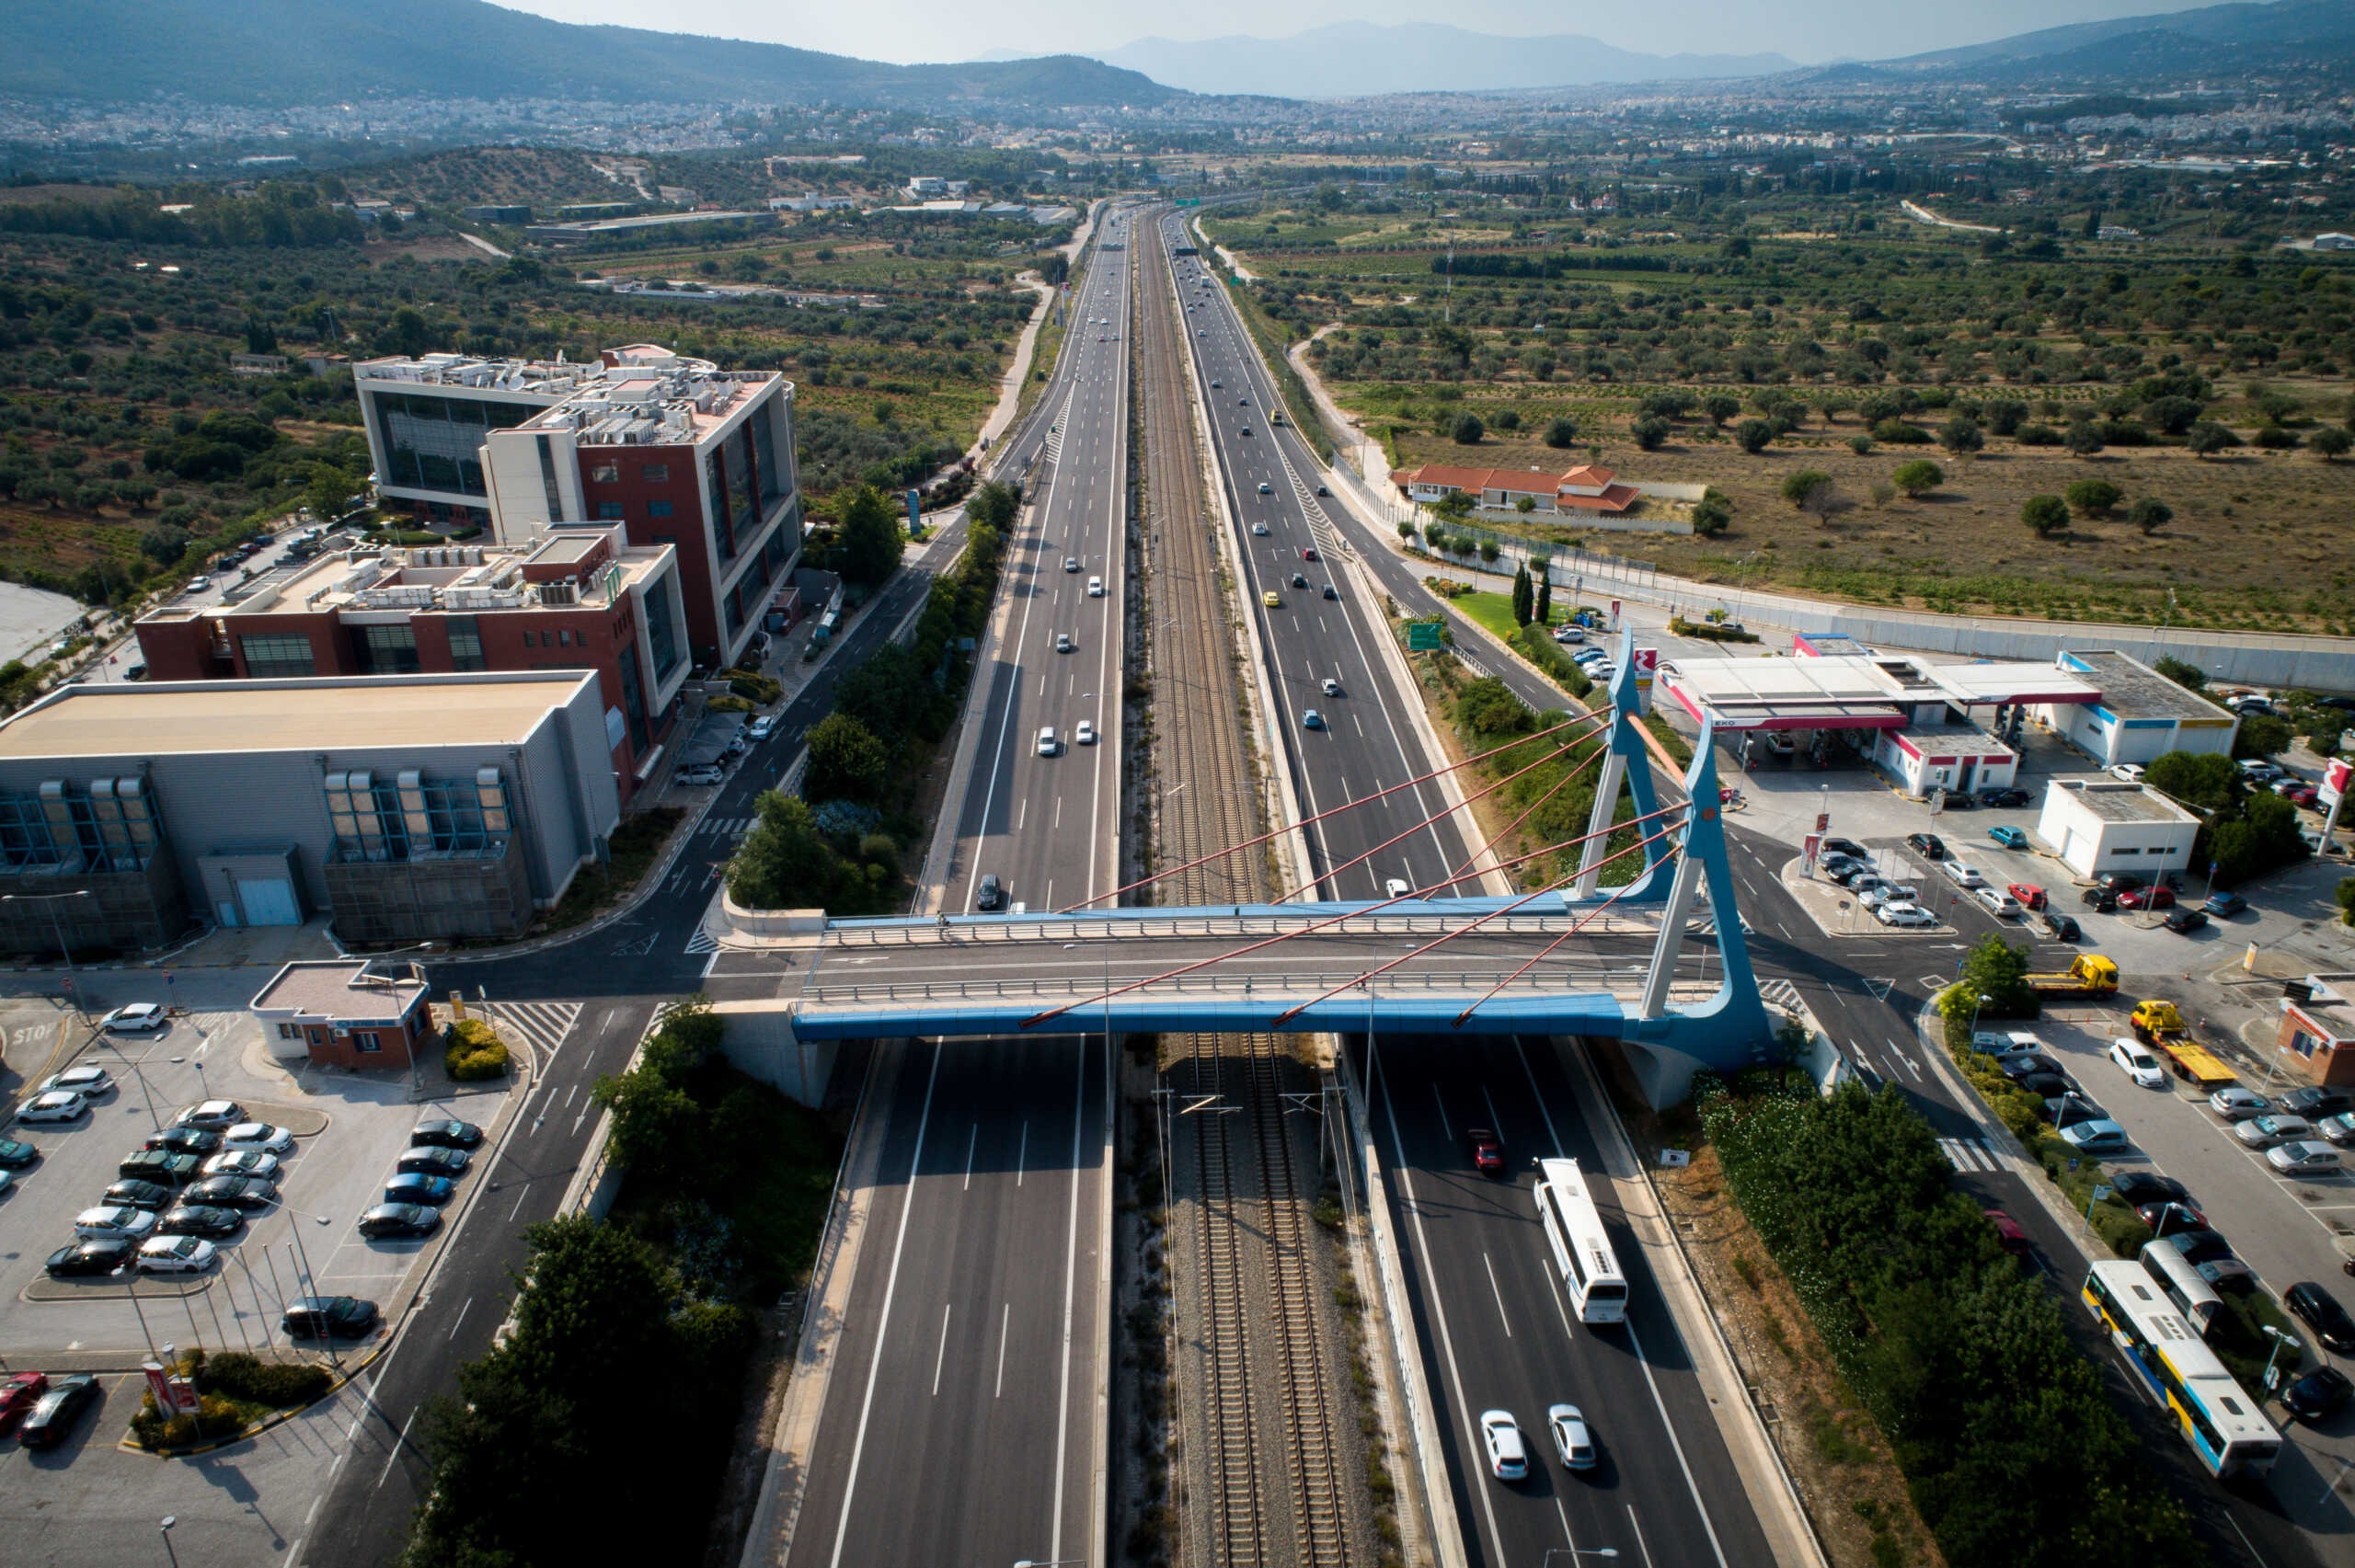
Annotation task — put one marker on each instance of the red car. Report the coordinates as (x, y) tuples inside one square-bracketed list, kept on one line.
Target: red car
[(2007, 1231), (1487, 1150), (2304, 794), (1309, 554), (2147, 898), (2030, 896), (19, 1395)]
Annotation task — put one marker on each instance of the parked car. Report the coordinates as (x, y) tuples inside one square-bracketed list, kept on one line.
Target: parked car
[(448, 1132), (233, 1191), (1890, 893), (2069, 1108), (2008, 1234), (2019, 1064), (2101, 1136), (1501, 1435), (1929, 846), (2167, 1216), (393, 1220), (427, 1161), (260, 1137), (154, 1197), (1848, 847), (2236, 1103), (243, 1162), (2277, 1127), (16, 1154), (137, 1018), (164, 1165), (2317, 1100), (697, 774), (2044, 1085), (2183, 922), (52, 1421), (1962, 874), (57, 1106), (93, 1256), (2009, 836), (2100, 900), (2306, 1157), (1572, 1440), (2060, 928), (2320, 1312), (430, 1191), (116, 1219), (1904, 915), (2142, 1187), (2318, 1395), (2029, 895), (201, 1220), (2136, 1062), (2000, 904), (2147, 898), (2225, 906), (2338, 1129), (329, 1316), (2196, 1246), (18, 1394), (90, 1083), (2227, 1274), (212, 1116), (175, 1254), (2131, 772), (2004, 799)]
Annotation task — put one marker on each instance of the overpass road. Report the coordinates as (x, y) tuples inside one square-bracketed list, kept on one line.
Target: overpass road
[(1493, 1324)]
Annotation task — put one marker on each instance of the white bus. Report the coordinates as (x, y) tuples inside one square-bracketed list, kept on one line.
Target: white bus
[(2225, 1427), (1582, 1255), (2179, 1277)]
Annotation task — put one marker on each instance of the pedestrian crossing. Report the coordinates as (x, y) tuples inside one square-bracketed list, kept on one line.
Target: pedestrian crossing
[(728, 826), (703, 942), (541, 1024), (1969, 1154)]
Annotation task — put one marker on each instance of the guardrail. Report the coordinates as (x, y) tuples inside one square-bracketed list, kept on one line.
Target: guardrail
[(1285, 988), (932, 933)]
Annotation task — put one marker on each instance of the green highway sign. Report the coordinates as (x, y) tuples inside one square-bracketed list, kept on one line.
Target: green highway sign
[(1423, 636)]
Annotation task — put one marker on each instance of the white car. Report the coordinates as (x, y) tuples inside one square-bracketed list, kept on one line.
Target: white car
[(1591, 655), (88, 1082), (1086, 734), (2004, 1045), (137, 1018), (1892, 893), (698, 774), (1260, 530), (1905, 916), (2302, 1158), (1572, 1438), (1394, 887), (1962, 874), (57, 1106), (2000, 904), (199, 584), (1063, 643), (243, 1162), (2137, 1063), (2237, 1102), (1501, 1434), (211, 1116), (1095, 588), (762, 728), (2131, 772), (259, 1137), (123, 1221), (1048, 744), (1332, 687), (1569, 635), (175, 1254)]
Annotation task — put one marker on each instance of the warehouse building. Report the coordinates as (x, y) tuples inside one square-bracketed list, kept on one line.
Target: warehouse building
[(404, 807), (2101, 826), (2141, 714)]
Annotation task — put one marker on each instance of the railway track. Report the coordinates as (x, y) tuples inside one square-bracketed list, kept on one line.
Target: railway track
[(1265, 1483)]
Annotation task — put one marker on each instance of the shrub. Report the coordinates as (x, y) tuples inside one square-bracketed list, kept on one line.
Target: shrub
[(2091, 498), (1897, 432), (1467, 429), (280, 1385), (1711, 514), (1650, 432), (752, 686), (1561, 432), (472, 1051), (1860, 444), (1754, 436), (1918, 477), (1798, 484), (2150, 514), (2046, 514)]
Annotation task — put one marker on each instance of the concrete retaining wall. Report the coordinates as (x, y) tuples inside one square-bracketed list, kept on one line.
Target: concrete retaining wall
[(771, 922), (760, 1043)]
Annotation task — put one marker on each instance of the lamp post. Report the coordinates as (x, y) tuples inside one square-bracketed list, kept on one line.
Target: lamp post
[(1983, 1002), (56, 926), (165, 1529), (2281, 1338)]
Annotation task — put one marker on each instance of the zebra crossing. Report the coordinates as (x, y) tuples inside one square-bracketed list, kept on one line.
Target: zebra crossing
[(702, 941), (1969, 1154), (541, 1024), (728, 827)]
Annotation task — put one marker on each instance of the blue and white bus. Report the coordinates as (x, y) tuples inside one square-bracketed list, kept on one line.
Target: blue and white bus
[(2225, 1427)]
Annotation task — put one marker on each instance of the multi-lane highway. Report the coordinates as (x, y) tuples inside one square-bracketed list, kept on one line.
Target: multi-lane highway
[(1493, 1323)]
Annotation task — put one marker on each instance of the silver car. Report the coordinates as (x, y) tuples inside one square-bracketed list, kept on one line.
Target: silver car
[(2264, 1132)]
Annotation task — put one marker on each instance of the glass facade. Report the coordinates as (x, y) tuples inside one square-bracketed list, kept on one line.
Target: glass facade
[(633, 700), (110, 832), (385, 651), (277, 656), (404, 817), (663, 626), (466, 642), (435, 443), (775, 481)]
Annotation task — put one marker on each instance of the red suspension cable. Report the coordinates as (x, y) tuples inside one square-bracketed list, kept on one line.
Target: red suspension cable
[(1548, 950)]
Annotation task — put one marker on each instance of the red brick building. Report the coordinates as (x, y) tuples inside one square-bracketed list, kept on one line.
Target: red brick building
[(578, 599), (336, 1012)]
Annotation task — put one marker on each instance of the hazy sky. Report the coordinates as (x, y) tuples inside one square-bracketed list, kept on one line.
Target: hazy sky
[(904, 30)]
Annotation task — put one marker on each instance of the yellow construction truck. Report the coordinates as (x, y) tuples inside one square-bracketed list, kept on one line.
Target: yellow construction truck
[(2091, 974), (2158, 1025)]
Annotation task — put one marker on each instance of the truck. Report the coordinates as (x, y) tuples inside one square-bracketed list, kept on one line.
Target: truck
[(2158, 1025), (2091, 974)]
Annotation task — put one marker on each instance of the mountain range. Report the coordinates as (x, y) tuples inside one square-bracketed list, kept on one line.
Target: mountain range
[(2219, 43), (1360, 59), (272, 53)]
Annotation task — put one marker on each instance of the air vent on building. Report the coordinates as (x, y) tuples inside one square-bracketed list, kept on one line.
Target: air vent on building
[(415, 819), (562, 591), (490, 790)]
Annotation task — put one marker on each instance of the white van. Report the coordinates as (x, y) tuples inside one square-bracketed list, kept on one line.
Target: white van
[(1095, 588)]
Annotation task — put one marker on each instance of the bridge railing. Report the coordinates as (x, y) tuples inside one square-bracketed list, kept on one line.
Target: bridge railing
[(919, 933), (1284, 990)]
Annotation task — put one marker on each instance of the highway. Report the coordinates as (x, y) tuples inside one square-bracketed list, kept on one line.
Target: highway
[(961, 1413), (1492, 1321)]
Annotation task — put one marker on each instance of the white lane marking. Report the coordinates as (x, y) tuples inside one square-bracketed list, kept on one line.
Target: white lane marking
[(1445, 1126), (891, 1285), (971, 1140), (1071, 1284), (519, 1197), (401, 1442), (1647, 1550), (459, 1318), (1502, 1321), (1022, 1154), (940, 1358), (1005, 1324)]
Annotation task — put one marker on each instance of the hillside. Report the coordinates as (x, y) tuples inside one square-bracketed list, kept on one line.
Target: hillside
[(283, 52), (2214, 41), (1359, 59)]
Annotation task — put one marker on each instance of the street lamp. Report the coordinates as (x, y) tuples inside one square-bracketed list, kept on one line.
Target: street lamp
[(2281, 1338), (1983, 1002), (56, 926), (166, 1530)]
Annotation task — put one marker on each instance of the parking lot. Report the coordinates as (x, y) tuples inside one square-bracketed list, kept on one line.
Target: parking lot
[(349, 1131)]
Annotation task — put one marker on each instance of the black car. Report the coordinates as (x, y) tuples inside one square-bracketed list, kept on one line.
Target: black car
[(2120, 881), (2146, 1187), (2196, 1246), (992, 894), (2070, 1107), (1929, 846), (233, 1191), (2183, 922), (2101, 900), (53, 1419), (1848, 847), (2018, 1067), (427, 1159), (160, 1165), (2060, 928), (2314, 1102), (2044, 1085), (2003, 799), (446, 1132), (1849, 870), (1958, 801), (99, 1254), (329, 1316), (141, 1194), (186, 1140), (397, 1219), (2320, 1312), (201, 1220), (16, 1156), (2318, 1394)]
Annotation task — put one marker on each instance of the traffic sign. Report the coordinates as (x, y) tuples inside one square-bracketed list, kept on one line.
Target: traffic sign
[(1423, 636)]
